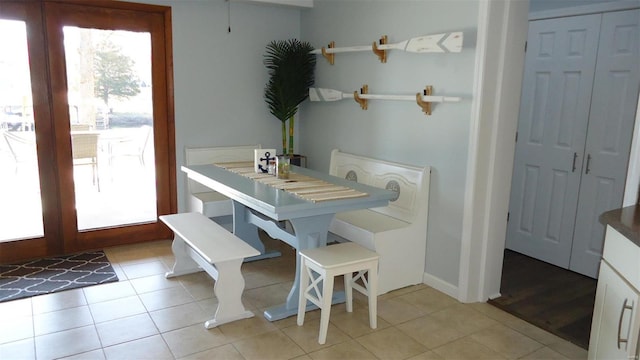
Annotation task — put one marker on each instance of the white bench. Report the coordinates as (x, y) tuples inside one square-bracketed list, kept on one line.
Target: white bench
[(398, 232), (199, 197), (201, 244)]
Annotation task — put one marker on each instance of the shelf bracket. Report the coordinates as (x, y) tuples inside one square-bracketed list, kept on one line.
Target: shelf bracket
[(425, 105), (331, 57), (363, 102), (382, 54)]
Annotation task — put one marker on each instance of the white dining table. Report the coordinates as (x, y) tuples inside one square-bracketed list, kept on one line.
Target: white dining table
[(259, 205)]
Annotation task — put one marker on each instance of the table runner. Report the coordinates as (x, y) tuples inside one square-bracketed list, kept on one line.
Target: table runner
[(304, 187)]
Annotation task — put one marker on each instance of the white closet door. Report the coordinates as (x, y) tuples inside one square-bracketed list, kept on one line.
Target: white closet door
[(611, 122), (558, 78)]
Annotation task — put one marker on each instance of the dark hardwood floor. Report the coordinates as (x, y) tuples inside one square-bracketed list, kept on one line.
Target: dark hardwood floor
[(552, 298)]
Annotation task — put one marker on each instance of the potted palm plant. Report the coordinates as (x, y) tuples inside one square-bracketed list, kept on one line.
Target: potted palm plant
[(291, 73)]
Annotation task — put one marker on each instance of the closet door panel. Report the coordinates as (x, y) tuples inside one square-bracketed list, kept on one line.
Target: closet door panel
[(611, 123), (559, 71)]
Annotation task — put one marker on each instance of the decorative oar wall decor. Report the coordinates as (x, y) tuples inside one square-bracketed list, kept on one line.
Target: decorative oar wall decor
[(436, 43), (423, 99)]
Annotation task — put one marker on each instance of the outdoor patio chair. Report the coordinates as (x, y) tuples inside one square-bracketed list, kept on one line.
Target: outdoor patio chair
[(84, 147), (81, 127), (22, 149), (131, 146)]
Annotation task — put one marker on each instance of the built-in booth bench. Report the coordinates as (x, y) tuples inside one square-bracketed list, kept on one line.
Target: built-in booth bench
[(212, 204), (397, 232), (201, 244), (199, 197)]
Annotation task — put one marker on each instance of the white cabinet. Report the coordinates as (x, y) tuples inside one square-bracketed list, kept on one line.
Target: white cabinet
[(615, 329), (614, 332)]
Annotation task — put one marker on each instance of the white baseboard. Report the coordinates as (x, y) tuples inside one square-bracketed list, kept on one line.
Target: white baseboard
[(440, 285)]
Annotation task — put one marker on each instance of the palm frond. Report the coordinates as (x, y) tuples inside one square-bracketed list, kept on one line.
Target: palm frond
[(291, 68)]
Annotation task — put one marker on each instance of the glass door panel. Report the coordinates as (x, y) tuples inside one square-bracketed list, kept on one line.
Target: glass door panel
[(111, 126), (20, 204)]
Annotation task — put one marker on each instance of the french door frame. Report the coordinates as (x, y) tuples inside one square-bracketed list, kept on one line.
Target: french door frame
[(45, 20)]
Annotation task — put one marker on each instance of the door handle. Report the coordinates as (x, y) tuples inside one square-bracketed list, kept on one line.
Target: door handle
[(622, 310), (588, 163), (573, 167)]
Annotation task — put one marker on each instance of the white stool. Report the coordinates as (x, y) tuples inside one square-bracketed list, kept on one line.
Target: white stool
[(328, 262)]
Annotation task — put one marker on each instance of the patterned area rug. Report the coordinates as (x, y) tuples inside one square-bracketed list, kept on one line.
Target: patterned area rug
[(45, 276)]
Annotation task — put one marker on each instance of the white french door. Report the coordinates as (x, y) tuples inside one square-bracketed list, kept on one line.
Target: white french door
[(576, 120)]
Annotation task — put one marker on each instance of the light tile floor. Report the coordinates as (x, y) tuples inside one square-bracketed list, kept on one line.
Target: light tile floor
[(145, 316)]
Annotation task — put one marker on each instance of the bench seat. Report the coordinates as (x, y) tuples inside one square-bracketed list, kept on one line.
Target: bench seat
[(211, 203), (365, 224), (200, 244)]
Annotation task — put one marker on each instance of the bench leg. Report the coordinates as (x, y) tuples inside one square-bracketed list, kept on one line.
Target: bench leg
[(184, 264), (228, 289)]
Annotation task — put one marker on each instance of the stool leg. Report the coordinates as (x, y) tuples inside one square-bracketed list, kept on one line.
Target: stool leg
[(304, 284), (372, 293), (348, 291), (325, 312)]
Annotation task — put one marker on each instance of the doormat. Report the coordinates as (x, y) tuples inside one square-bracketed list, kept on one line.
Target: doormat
[(46, 276)]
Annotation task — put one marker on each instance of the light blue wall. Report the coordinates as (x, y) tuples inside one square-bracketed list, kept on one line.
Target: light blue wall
[(394, 130), (219, 76), (219, 80)]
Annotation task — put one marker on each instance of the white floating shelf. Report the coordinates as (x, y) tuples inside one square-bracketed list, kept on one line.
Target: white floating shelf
[(434, 43), (423, 99)]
